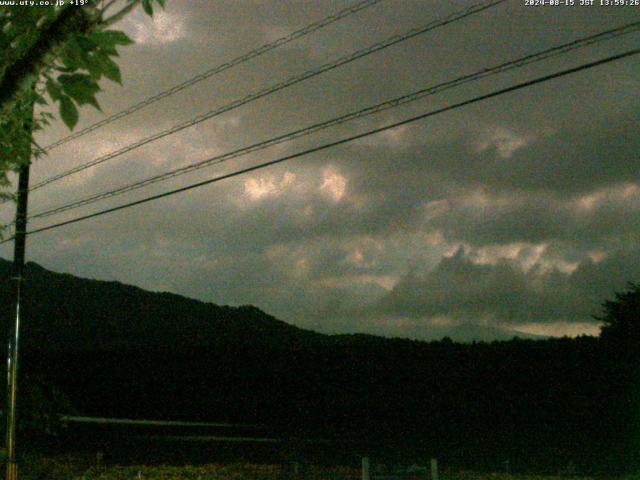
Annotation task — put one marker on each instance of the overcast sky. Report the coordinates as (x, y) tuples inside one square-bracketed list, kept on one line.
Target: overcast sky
[(521, 212)]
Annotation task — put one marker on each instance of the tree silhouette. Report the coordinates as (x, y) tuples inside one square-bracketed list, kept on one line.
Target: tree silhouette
[(621, 316)]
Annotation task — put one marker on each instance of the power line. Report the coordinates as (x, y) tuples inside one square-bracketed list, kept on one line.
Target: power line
[(277, 87), (432, 90), (342, 141), (218, 69)]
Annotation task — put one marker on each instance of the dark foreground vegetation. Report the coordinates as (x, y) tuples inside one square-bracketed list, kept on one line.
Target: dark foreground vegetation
[(78, 468), (109, 350)]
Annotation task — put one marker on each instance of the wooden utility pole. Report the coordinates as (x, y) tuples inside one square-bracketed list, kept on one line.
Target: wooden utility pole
[(14, 331)]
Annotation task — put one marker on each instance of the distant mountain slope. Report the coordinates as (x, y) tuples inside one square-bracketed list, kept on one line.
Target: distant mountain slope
[(62, 311)]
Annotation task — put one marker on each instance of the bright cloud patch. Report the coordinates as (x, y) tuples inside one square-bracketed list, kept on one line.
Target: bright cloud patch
[(334, 185), (561, 329), (263, 187), (164, 28), (628, 194), (504, 141)]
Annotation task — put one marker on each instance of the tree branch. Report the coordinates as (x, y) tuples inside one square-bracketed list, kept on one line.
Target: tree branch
[(20, 75), (106, 7), (120, 14)]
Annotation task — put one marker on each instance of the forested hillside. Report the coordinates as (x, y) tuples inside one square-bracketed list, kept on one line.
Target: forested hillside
[(117, 350)]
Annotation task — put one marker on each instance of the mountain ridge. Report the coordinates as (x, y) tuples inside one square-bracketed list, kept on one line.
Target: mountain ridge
[(103, 314), (96, 314)]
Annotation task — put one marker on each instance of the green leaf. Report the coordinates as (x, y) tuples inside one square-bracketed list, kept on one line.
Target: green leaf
[(110, 69), (161, 3), (94, 66), (73, 55), (94, 103), (86, 42), (53, 89), (71, 62), (68, 112), (146, 6), (81, 87), (110, 38), (37, 145)]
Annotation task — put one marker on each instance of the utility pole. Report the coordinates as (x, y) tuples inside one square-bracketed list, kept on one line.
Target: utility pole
[(13, 337), (14, 332)]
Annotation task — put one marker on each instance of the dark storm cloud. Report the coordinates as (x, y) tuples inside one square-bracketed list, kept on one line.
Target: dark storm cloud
[(462, 289), (592, 219)]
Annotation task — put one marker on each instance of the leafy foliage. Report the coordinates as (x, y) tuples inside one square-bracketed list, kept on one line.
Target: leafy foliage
[(56, 55), (621, 316)]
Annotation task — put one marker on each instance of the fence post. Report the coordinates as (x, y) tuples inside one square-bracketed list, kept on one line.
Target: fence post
[(366, 466), (434, 469)]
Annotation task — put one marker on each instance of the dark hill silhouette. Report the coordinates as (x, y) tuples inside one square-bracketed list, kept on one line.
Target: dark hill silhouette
[(117, 350), (64, 312)]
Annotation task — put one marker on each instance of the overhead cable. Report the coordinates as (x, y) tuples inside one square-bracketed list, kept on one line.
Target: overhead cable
[(342, 141), (376, 47), (393, 103), (218, 69)]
